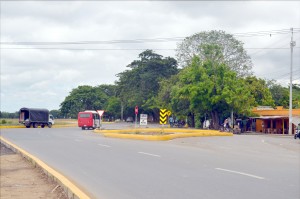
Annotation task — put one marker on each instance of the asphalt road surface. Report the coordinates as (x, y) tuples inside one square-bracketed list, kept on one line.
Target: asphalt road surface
[(242, 166)]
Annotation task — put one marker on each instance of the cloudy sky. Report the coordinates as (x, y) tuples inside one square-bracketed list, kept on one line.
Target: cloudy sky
[(50, 47)]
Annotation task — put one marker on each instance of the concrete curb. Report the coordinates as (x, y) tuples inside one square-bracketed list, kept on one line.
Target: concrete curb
[(176, 133), (70, 188)]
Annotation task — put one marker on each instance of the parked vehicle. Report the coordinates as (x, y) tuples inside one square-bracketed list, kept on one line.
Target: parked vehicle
[(35, 117), (178, 124), (236, 129), (88, 120), (129, 119)]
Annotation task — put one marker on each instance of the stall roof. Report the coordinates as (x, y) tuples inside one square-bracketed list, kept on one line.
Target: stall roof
[(295, 119), (270, 117)]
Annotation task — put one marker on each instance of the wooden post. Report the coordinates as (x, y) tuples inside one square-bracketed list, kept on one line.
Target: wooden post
[(282, 125), (271, 126)]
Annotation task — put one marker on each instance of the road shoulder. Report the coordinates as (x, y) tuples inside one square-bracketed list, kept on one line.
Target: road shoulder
[(20, 179)]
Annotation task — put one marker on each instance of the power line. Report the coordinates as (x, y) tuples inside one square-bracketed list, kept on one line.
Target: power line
[(169, 39), (96, 49), (45, 48), (281, 77), (283, 48), (280, 71), (264, 33)]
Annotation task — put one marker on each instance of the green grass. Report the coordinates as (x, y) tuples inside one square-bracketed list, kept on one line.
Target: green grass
[(9, 122), (65, 121)]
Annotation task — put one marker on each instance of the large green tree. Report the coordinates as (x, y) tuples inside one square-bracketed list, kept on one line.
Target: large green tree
[(281, 94), (85, 98), (56, 114), (139, 84), (212, 88), (113, 108), (259, 90), (296, 95), (233, 53)]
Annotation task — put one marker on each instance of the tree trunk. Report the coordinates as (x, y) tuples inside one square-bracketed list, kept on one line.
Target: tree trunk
[(191, 120), (155, 114), (122, 111), (215, 119)]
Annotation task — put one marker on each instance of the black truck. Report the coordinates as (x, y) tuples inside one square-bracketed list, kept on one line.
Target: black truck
[(35, 117)]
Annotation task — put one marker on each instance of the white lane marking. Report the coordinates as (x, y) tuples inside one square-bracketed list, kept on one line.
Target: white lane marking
[(150, 154), (224, 147), (104, 145), (241, 173)]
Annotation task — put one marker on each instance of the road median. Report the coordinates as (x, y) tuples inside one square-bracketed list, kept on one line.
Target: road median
[(159, 134)]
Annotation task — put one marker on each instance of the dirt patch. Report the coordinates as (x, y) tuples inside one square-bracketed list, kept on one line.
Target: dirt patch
[(20, 179)]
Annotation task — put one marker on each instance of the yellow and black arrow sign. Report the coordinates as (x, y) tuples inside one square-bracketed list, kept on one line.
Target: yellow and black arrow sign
[(163, 113)]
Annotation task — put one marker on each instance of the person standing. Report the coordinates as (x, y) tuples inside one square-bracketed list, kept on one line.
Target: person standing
[(171, 121), (225, 123)]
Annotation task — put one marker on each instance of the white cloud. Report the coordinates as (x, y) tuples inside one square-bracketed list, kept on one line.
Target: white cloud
[(43, 78)]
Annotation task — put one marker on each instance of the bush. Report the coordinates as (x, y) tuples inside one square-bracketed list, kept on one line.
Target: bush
[(3, 122)]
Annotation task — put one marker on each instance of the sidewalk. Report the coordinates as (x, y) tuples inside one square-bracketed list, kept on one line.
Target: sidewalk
[(20, 179)]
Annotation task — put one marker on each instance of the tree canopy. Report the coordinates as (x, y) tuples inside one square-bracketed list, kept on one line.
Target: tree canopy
[(86, 98), (281, 94), (210, 88), (139, 84), (260, 91), (232, 51), (215, 79)]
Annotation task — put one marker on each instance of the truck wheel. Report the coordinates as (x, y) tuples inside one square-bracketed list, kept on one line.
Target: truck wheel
[(35, 125), (27, 126), (43, 125), (83, 128), (49, 125)]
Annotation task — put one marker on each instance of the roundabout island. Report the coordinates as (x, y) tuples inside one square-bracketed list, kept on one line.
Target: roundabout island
[(159, 134)]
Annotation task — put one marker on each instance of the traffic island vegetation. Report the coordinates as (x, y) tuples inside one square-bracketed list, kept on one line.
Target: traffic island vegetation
[(159, 134)]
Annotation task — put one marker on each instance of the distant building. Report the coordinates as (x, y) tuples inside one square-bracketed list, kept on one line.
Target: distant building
[(274, 120)]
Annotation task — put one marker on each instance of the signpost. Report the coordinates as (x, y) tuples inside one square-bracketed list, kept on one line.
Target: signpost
[(136, 111), (100, 112), (163, 116), (143, 119)]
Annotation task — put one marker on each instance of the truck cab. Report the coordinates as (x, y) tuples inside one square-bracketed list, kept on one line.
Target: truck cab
[(51, 119)]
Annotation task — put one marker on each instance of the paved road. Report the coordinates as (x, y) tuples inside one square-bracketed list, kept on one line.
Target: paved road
[(242, 166)]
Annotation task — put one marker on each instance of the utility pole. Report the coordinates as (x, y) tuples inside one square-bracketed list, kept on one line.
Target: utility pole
[(292, 44)]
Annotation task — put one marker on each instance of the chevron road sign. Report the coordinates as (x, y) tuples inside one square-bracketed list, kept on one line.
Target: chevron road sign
[(163, 114)]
